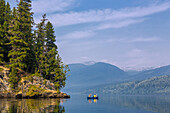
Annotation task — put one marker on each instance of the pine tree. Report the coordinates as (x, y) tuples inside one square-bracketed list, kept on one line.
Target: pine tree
[(5, 17), (27, 19), (20, 30), (60, 73), (39, 46), (18, 40), (50, 50), (8, 17), (27, 51), (50, 36), (2, 37), (2, 10), (55, 69)]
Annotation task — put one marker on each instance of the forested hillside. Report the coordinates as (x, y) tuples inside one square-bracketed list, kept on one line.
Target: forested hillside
[(98, 73), (154, 85), (24, 50), (83, 76), (164, 70)]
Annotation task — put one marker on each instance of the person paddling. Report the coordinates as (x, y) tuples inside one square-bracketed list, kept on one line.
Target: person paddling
[(89, 95), (95, 95)]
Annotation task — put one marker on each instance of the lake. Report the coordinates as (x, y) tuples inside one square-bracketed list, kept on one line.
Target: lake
[(80, 104)]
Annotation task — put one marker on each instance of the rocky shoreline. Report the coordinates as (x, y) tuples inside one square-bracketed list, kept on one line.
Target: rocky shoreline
[(29, 87), (23, 96)]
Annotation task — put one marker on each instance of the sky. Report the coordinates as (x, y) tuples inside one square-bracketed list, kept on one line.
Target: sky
[(131, 34)]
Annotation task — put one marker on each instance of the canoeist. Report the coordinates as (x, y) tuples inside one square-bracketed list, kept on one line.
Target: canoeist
[(95, 95), (90, 95)]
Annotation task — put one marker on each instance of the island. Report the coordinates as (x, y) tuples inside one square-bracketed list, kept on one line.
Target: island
[(30, 64)]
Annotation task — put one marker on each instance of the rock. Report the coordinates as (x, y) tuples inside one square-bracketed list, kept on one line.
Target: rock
[(7, 95), (19, 95), (30, 87)]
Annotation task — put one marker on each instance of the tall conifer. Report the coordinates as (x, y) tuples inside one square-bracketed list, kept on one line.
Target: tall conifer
[(8, 17), (2, 37), (50, 51), (27, 51), (20, 31), (40, 45), (55, 69), (27, 19)]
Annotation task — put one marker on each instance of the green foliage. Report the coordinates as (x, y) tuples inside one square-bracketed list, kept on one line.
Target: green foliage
[(1, 69), (32, 51), (5, 16), (36, 74), (58, 91), (154, 85), (40, 45), (49, 66), (30, 77), (34, 90), (14, 78), (20, 31), (45, 81)]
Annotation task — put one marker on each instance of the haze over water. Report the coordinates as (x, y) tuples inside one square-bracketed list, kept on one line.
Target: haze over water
[(80, 104)]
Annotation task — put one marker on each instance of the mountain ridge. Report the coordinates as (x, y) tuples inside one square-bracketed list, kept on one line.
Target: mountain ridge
[(85, 76), (154, 85)]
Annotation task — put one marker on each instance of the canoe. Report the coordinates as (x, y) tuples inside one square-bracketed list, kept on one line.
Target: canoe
[(92, 97)]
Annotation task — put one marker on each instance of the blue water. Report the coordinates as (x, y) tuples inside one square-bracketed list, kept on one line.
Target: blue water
[(80, 104), (118, 104)]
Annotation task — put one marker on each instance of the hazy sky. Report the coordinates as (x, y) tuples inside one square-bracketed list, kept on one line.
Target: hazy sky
[(130, 34)]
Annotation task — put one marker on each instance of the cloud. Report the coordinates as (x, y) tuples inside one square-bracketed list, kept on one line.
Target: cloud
[(46, 6), (135, 53), (139, 58), (77, 35), (72, 18), (85, 58), (132, 40), (120, 24), (152, 39)]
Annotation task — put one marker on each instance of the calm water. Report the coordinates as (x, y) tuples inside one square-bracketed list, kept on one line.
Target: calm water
[(79, 104)]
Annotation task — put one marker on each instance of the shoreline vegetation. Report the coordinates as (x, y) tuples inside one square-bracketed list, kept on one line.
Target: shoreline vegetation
[(152, 86), (30, 65)]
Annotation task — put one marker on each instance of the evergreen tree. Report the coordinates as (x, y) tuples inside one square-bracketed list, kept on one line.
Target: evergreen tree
[(50, 50), (2, 37), (18, 51), (21, 35), (20, 31), (5, 17), (24, 8), (50, 65), (60, 73), (50, 36), (55, 69), (26, 51), (8, 17), (40, 45)]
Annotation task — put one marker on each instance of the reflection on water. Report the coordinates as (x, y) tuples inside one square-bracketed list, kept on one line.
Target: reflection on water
[(95, 100), (31, 106), (92, 100), (159, 104), (80, 104)]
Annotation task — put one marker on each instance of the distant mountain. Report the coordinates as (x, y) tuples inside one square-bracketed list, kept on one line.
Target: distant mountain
[(165, 70), (91, 74), (154, 85), (83, 75)]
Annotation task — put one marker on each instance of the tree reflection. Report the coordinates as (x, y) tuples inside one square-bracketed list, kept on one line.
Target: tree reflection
[(158, 104), (31, 106)]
